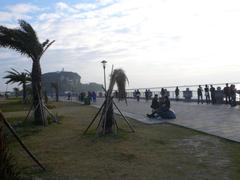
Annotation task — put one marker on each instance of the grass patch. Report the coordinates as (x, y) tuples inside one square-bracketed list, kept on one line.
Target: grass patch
[(153, 152), (13, 105)]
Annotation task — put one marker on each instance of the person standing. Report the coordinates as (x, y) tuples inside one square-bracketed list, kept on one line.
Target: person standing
[(206, 90), (226, 92), (135, 94), (138, 94), (177, 93), (94, 96), (146, 94), (233, 95), (199, 94), (162, 92), (213, 97)]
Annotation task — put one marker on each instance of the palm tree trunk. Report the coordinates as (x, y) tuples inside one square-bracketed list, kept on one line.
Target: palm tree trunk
[(37, 93), (24, 93), (108, 118)]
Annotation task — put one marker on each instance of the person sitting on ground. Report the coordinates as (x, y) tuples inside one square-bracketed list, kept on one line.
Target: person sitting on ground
[(155, 103), (164, 109)]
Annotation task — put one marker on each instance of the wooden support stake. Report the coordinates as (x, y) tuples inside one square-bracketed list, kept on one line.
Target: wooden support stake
[(124, 117), (28, 113), (20, 141), (94, 117)]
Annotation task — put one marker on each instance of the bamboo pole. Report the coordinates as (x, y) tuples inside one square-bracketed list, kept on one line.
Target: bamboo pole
[(94, 117), (28, 113), (2, 118), (124, 117)]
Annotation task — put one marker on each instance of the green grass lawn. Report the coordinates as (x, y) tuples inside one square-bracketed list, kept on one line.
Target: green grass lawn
[(160, 151)]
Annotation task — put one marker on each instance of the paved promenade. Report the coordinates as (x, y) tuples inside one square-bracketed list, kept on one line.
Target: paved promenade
[(219, 120)]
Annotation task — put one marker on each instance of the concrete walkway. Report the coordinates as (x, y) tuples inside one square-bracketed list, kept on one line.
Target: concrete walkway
[(218, 120)]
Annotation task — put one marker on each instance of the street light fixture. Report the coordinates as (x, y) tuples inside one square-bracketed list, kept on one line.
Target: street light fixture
[(104, 66)]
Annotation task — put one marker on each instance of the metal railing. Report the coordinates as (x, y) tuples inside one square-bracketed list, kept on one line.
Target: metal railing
[(171, 90)]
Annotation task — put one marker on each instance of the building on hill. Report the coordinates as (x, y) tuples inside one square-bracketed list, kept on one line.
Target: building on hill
[(91, 87), (67, 82)]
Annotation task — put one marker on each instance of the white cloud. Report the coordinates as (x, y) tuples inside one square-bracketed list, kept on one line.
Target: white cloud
[(23, 8), (156, 42)]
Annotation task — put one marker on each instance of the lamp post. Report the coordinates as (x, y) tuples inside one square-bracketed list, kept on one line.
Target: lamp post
[(104, 66)]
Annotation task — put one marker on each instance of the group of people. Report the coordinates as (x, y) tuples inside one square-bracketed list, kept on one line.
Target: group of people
[(92, 96), (230, 94), (209, 93), (161, 108), (148, 94)]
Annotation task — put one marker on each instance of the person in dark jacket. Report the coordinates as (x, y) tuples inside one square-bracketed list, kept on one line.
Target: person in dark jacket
[(146, 95), (164, 106), (138, 94), (94, 96), (162, 92), (206, 90), (226, 92), (213, 97), (177, 93), (155, 103), (199, 94), (233, 95)]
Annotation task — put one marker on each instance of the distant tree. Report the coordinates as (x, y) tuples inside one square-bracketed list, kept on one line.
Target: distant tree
[(25, 41), (22, 78), (117, 77), (55, 86)]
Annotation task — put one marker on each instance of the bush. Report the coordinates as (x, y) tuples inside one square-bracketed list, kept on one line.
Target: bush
[(7, 166)]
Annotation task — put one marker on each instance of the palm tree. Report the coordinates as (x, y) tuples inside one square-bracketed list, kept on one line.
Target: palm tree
[(118, 77), (25, 41), (56, 88), (22, 78)]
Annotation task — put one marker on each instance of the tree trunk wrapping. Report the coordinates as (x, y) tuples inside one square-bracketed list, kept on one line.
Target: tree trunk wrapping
[(37, 93)]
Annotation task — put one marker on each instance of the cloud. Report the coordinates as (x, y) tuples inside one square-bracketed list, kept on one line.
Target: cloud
[(23, 8), (12, 13), (156, 42)]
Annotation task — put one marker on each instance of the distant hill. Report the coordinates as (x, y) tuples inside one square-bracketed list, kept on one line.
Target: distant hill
[(67, 81)]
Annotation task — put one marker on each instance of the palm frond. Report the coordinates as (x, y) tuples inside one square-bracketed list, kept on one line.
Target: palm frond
[(15, 39), (119, 77), (45, 43), (17, 77), (24, 40)]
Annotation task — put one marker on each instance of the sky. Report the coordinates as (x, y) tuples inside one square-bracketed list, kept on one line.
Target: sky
[(157, 42)]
